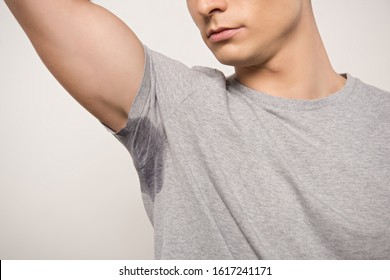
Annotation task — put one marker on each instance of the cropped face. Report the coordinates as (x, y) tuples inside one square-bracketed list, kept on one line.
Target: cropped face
[(245, 32)]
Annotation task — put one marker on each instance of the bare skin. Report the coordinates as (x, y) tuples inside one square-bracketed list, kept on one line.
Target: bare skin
[(277, 50), (99, 60), (93, 54)]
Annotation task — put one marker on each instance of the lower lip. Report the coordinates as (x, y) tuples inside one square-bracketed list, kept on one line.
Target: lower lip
[(224, 35)]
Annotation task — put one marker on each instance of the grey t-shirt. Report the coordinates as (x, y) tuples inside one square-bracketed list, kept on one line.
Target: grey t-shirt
[(227, 172)]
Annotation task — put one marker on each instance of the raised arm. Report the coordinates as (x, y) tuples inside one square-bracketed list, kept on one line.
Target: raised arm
[(91, 52)]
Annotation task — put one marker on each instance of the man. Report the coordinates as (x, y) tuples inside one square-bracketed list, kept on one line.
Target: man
[(285, 159)]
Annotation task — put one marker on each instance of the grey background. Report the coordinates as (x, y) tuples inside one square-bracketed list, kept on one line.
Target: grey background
[(68, 189)]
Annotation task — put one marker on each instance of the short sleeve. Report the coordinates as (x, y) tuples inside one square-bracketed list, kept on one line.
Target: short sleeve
[(165, 85)]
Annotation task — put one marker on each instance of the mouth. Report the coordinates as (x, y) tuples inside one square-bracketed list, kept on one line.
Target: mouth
[(222, 33)]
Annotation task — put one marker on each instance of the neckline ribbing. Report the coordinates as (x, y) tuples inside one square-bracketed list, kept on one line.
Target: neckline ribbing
[(288, 103)]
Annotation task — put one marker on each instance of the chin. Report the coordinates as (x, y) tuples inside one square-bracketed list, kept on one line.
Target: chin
[(226, 55), (232, 61), (234, 55), (249, 58), (239, 59)]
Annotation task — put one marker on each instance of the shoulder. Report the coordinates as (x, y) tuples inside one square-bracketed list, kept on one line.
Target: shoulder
[(370, 89), (210, 77), (174, 75), (372, 97)]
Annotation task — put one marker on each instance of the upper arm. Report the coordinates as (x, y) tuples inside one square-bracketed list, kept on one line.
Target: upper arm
[(92, 53)]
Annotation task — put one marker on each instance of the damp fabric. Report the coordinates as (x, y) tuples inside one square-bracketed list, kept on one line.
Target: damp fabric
[(228, 172)]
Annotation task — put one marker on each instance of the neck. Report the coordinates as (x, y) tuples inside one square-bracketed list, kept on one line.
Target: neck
[(299, 69)]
